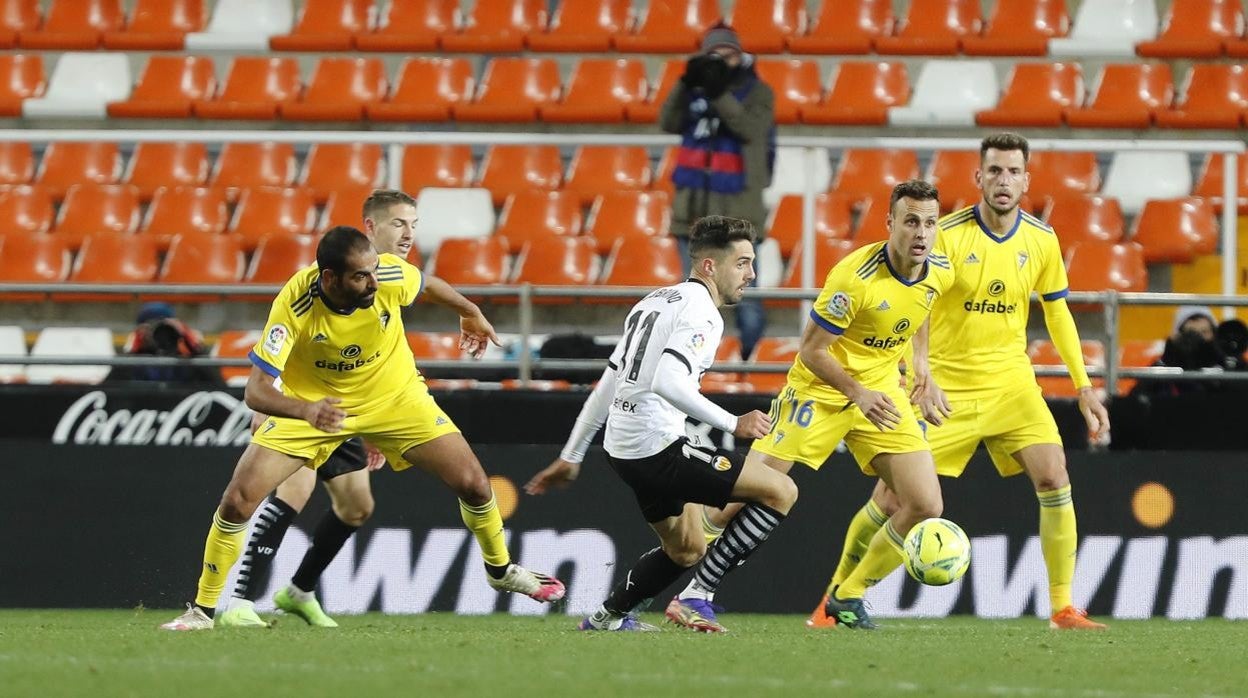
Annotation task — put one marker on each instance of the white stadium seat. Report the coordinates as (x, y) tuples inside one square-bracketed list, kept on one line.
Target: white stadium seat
[(789, 174), (949, 93), (1136, 176), (82, 85), (1108, 28), (71, 341), (243, 25), (12, 343), (452, 213)]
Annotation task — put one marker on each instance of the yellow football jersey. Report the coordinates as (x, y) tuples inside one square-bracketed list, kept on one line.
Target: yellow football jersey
[(875, 312), (979, 328), (361, 357)]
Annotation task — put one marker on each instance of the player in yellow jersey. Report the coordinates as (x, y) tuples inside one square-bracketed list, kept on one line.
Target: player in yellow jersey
[(845, 382), (335, 336), (980, 385)]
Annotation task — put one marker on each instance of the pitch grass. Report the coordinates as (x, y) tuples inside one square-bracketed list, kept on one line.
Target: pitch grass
[(120, 653)]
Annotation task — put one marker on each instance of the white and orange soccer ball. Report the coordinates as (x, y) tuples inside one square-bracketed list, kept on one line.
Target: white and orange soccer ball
[(937, 552)]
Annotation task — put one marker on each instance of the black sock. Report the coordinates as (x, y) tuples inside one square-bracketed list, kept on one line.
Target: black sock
[(747, 530), (210, 612), (266, 537), (651, 574), (328, 538), (497, 571)]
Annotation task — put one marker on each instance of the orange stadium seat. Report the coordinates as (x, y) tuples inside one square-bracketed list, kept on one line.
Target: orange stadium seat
[(599, 91), (1236, 47), (498, 26), (670, 26), (33, 259), (845, 27), (1176, 230), (264, 211), (535, 216), (116, 258), (17, 163), (796, 85), (339, 90), (1079, 217), (868, 172), (325, 25), (74, 25), (179, 210), (435, 345), (472, 261), (1101, 266), (1043, 353), (643, 261), (245, 165), (90, 209), (426, 90), (1020, 28), (763, 25), (1054, 172), (235, 344), (773, 350), (1037, 95), (1126, 96), (663, 173), (279, 256), (872, 221), (65, 164), (1195, 29), (952, 172), (932, 28), (345, 207), (437, 165), (21, 77), (597, 169), (562, 261), (168, 88), (861, 93), (508, 169), (583, 26), (331, 167), (25, 210), (253, 89), (411, 26), (647, 112), (159, 25), (619, 214), (1216, 96), (1211, 182), (512, 90), (834, 216), (203, 259), (539, 385), (156, 165), (17, 16), (1137, 353)]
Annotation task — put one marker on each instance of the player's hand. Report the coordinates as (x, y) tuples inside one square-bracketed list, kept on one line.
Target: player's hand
[(257, 419), (325, 415), (475, 332), (753, 425), (1095, 415), (373, 457), (932, 402), (561, 473), (878, 408)]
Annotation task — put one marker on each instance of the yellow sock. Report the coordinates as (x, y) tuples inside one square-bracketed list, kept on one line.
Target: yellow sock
[(862, 529), (221, 550), (487, 526), (709, 530), (883, 556), (1059, 541)]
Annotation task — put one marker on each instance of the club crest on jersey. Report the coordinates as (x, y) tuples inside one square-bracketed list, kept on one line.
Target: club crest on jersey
[(929, 297), (838, 305), (696, 342), (722, 464), (1022, 259), (350, 351), (276, 339), (385, 320)]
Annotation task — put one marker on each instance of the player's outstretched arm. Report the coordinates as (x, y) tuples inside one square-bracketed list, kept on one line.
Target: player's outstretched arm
[(261, 395), (475, 332), (593, 414), (877, 407), (1065, 336), (925, 393)]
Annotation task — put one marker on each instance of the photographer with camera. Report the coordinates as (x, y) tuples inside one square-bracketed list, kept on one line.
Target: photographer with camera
[(159, 333), (726, 118), (1198, 343)]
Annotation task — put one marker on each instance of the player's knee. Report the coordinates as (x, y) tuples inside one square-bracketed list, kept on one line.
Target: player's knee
[(783, 494), (474, 488), (688, 550), (1052, 477), (237, 507), (355, 513), (929, 507)]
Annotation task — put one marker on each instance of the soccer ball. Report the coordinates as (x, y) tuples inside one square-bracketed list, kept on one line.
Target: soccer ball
[(937, 552)]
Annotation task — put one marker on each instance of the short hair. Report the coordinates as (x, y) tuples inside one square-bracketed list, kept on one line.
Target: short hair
[(717, 233), (1004, 141), (916, 189), (382, 199), (337, 244)]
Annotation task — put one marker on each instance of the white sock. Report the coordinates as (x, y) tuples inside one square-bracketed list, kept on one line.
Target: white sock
[(605, 620), (697, 591), (299, 594), (240, 603)]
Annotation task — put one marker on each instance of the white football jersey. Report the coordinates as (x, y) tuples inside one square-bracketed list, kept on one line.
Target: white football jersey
[(680, 320)]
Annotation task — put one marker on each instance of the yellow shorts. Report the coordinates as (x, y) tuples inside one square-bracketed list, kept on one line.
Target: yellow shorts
[(1006, 422), (411, 419), (807, 430)]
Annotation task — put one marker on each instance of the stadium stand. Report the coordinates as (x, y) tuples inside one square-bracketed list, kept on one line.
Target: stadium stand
[(17, 163), (536, 217), (595, 169), (932, 28), (948, 93), (426, 90), (326, 25), (1126, 95), (1019, 28), (410, 26), (21, 78), (599, 91), (1108, 28), (243, 25), (616, 215), (82, 86), (583, 27), (158, 25), (861, 93), (156, 165)]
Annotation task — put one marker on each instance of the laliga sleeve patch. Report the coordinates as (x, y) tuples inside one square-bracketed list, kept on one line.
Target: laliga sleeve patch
[(838, 305), (696, 342), (276, 339)]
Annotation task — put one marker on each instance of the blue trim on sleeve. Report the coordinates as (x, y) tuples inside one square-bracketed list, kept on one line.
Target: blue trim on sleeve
[(825, 324), (422, 285), (263, 365), (1056, 295)]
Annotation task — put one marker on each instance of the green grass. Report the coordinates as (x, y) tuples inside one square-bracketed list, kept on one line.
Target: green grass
[(115, 653)]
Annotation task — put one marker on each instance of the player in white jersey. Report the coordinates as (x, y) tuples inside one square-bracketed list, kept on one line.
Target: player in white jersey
[(644, 396)]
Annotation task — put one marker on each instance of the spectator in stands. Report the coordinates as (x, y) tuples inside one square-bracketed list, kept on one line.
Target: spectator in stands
[(726, 118), (160, 333), (1191, 346)]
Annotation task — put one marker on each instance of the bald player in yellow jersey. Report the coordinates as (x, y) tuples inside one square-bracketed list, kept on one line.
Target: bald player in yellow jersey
[(980, 385), (335, 337)]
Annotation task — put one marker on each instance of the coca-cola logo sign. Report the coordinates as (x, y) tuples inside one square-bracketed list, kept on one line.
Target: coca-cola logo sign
[(206, 418)]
